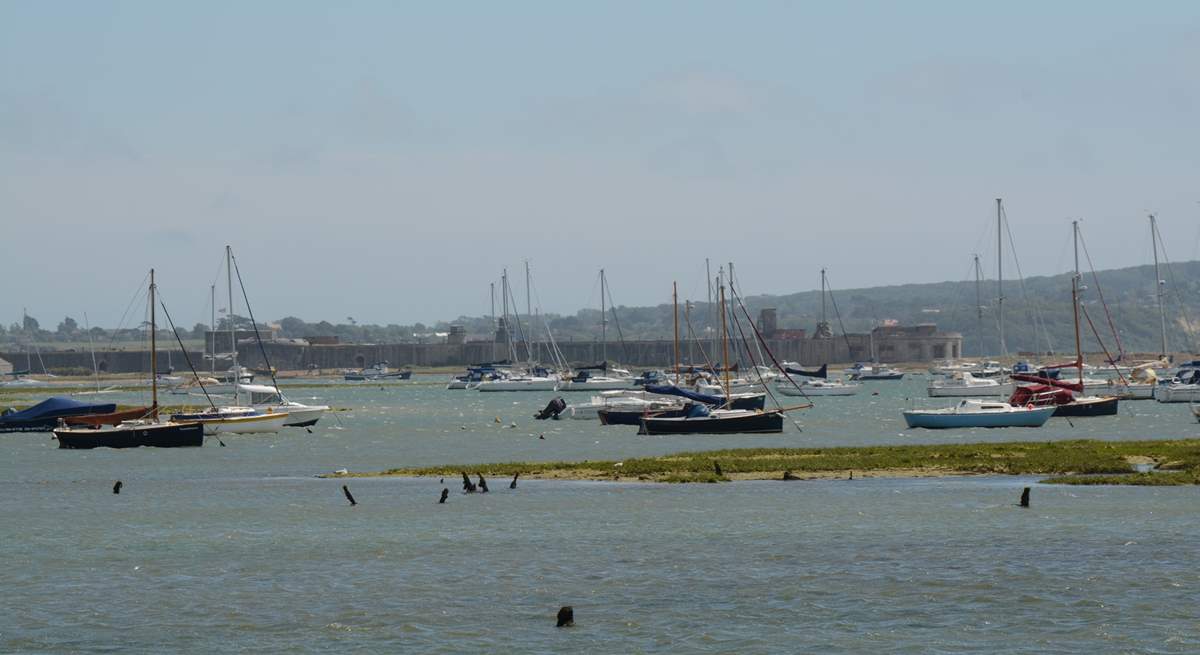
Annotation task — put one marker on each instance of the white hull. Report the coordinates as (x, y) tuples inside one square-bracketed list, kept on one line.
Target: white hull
[(458, 384), (255, 424), (1177, 393), (818, 390), (602, 384), (302, 415), (971, 391), (529, 384)]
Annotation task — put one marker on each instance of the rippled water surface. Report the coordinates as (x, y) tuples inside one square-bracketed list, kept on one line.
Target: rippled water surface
[(241, 549)]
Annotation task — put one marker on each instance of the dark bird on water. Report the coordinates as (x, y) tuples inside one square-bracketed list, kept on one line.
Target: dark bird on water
[(468, 486), (513, 484), (482, 484), (787, 475), (445, 494), (1025, 497), (349, 497), (566, 616), (117, 487)]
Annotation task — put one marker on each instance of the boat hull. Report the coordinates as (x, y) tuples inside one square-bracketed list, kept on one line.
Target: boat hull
[(177, 435), (1088, 407), (1177, 393), (969, 391), (752, 423), (939, 420), (596, 385), (517, 385), (810, 390)]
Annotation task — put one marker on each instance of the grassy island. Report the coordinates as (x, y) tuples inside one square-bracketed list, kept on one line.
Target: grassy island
[(1172, 462)]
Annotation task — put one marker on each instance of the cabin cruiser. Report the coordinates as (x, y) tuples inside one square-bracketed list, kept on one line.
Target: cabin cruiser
[(593, 379), (862, 371), (1183, 388), (818, 387), (268, 399), (975, 413), (622, 400), (376, 372), (964, 383), (535, 379)]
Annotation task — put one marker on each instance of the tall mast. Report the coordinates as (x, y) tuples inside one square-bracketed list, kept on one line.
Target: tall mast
[(725, 346), (712, 317), (1158, 287), (979, 302), (687, 312), (492, 289), (232, 334), (604, 322), (1075, 243), (212, 290), (153, 353), (529, 316), (822, 295), (1000, 273), (1075, 308), (675, 306)]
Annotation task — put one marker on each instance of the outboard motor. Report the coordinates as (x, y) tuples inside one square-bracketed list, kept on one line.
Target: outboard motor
[(553, 409)]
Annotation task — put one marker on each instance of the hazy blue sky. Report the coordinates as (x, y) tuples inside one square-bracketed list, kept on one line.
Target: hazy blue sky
[(384, 160)]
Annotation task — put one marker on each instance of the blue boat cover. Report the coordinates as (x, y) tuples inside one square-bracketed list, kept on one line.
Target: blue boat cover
[(56, 407), (672, 390)]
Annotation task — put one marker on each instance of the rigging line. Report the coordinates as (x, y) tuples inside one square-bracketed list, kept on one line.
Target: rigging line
[(838, 314), (520, 332), (1030, 308), (1102, 346), (776, 362), (962, 288), (186, 356), (560, 361), (612, 305), (258, 337), (137, 295), (703, 352), (1100, 293), (1187, 324)]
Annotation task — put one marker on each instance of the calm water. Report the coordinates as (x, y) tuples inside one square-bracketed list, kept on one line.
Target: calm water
[(241, 549)]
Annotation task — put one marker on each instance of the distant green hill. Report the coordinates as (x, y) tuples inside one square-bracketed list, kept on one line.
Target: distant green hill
[(1041, 301)]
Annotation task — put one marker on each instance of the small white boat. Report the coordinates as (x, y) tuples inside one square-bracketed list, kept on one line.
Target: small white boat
[(520, 383), (1177, 392), (873, 372), (375, 372), (621, 400), (589, 380), (818, 387), (975, 413), (964, 384)]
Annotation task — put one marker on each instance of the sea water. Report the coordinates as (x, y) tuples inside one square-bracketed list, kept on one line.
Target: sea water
[(242, 549)]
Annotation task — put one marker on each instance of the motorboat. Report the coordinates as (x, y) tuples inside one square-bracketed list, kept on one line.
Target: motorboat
[(862, 371), (591, 380), (621, 400), (965, 384), (538, 379), (976, 413), (818, 388), (376, 372), (264, 398)]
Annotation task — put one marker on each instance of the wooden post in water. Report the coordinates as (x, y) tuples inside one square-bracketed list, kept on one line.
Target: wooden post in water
[(349, 496), (566, 616), (1025, 497)]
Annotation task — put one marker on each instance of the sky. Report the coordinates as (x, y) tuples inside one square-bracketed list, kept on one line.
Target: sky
[(386, 160)]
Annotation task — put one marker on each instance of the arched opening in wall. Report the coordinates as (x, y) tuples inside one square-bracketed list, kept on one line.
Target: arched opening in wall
[(360, 361), (102, 366)]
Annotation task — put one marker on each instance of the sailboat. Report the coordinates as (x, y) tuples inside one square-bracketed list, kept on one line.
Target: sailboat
[(599, 377), (151, 432), (699, 418), (1064, 396), (535, 377)]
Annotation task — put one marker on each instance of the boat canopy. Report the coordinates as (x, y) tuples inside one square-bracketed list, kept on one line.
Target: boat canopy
[(672, 390), (55, 407), (822, 372), (1070, 386)]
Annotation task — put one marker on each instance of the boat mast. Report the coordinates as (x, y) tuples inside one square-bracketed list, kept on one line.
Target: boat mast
[(604, 322), (687, 313), (153, 353), (492, 289), (212, 290), (1158, 287), (529, 316), (1000, 273), (1075, 307), (724, 344), (1075, 243), (232, 331), (675, 306), (979, 303), (822, 295)]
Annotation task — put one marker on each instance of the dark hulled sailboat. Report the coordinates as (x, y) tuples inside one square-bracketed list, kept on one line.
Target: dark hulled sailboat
[(150, 432)]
